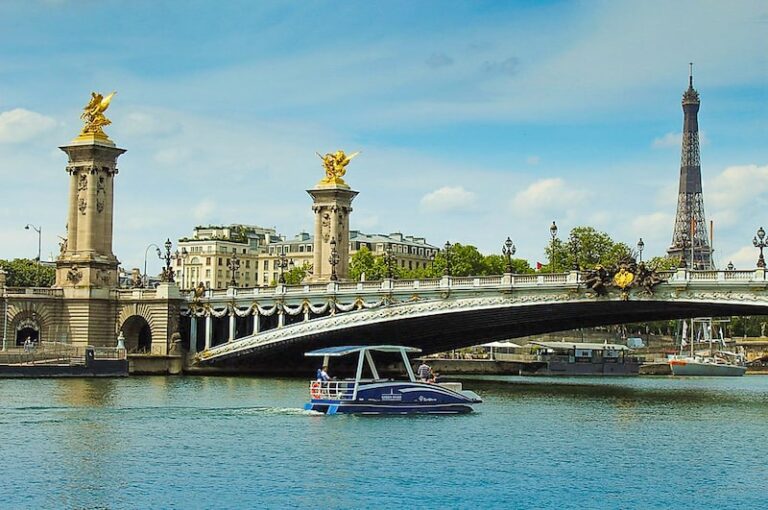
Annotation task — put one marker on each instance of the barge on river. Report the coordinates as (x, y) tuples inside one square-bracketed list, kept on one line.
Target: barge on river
[(573, 358)]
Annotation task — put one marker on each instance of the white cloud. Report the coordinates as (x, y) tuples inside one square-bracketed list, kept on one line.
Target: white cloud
[(548, 195), (674, 140), (448, 198), (666, 141), (203, 210), (743, 258), (20, 125), (737, 185)]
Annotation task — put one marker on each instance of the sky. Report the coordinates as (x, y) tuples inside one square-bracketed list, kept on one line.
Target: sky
[(476, 120)]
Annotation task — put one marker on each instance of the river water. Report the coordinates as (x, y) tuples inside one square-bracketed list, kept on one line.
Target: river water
[(216, 442)]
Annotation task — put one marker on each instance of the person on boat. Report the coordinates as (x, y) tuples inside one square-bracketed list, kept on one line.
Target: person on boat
[(435, 378), (322, 374), (424, 371)]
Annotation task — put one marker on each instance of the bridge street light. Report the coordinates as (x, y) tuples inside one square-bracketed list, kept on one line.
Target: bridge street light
[(574, 242), (159, 255), (553, 233), (730, 266), (283, 263), (508, 250), (684, 242), (640, 246), (234, 265), (760, 242), (334, 260), (39, 231), (389, 261), (167, 275), (447, 270)]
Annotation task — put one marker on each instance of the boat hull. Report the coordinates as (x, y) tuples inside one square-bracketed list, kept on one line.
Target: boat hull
[(393, 398), (699, 368)]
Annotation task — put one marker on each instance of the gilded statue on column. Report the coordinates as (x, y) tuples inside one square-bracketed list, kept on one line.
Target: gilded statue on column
[(335, 164), (93, 116)]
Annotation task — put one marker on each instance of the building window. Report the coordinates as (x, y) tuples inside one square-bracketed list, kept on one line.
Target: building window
[(266, 264), (247, 264), (301, 248), (208, 261), (207, 273), (219, 260), (309, 248)]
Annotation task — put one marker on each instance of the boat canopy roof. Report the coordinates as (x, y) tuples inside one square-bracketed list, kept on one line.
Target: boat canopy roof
[(582, 345), (343, 350)]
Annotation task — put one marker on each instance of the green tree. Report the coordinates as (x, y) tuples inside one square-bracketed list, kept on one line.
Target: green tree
[(663, 263), (27, 273), (297, 274), (591, 246)]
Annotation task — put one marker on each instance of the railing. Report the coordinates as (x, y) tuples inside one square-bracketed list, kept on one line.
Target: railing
[(332, 390), (34, 291), (57, 352), (523, 281)]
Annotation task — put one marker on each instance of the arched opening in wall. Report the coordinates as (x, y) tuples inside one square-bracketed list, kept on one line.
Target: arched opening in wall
[(28, 327), (137, 333)]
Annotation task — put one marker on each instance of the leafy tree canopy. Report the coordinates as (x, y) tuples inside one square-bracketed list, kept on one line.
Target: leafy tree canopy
[(27, 273)]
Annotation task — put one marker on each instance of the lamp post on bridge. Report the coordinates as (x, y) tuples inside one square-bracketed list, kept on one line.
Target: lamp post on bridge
[(389, 261), (508, 250), (334, 260), (167, 275), (730, 266), (159, 255), (283, 263), (760, 242), (39, 231), (684, 242), (640, 247), (574, 242), (233, 265), (553, 233), (447, 270)]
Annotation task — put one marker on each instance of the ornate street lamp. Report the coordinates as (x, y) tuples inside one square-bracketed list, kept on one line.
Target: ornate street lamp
[(508, 250), (640, 246), (553, 233), (39, 231), (730, 267), (283, 263), (167, 275), (447, 270), (684, 242), (233, 265), (333, 260), (574, 242), (760, 242), (389, 261)]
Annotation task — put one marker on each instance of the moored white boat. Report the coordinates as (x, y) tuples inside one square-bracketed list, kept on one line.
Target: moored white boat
[(706, 363), (376, 395)]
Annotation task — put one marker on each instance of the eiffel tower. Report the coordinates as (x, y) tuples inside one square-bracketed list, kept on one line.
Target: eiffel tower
[(690, 241)]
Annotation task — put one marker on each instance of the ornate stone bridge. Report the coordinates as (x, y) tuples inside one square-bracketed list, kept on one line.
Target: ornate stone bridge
[(278, 324)]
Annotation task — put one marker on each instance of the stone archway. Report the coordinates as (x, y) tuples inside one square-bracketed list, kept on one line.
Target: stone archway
[(27, 327), (137, 333)]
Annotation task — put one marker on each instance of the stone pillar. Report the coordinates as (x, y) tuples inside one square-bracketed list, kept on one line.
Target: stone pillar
[(332, 207), (208, 332), (193, 334), (280, 318), (256, 321), (232, 319), (88, 260), (86, 269)]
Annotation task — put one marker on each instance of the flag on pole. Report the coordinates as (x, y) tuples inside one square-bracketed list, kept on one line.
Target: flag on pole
[(539, 265)]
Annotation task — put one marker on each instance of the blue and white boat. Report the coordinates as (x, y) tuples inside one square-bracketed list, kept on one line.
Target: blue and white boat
[(375, 395)]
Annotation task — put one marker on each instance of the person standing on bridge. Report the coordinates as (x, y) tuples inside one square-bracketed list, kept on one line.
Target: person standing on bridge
[(424, 371)]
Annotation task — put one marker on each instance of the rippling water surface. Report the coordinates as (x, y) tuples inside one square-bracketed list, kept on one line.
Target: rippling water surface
[(213, 442)]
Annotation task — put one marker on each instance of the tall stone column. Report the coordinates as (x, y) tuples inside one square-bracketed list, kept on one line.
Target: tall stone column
[(86, 269), (332, 207)]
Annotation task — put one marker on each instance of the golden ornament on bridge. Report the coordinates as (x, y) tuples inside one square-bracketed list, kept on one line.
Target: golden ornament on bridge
[(623, 278), (93, 116), (335, 164)]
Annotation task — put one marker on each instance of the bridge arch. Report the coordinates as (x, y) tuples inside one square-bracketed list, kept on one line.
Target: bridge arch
[(31, 319), (137, 333)]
